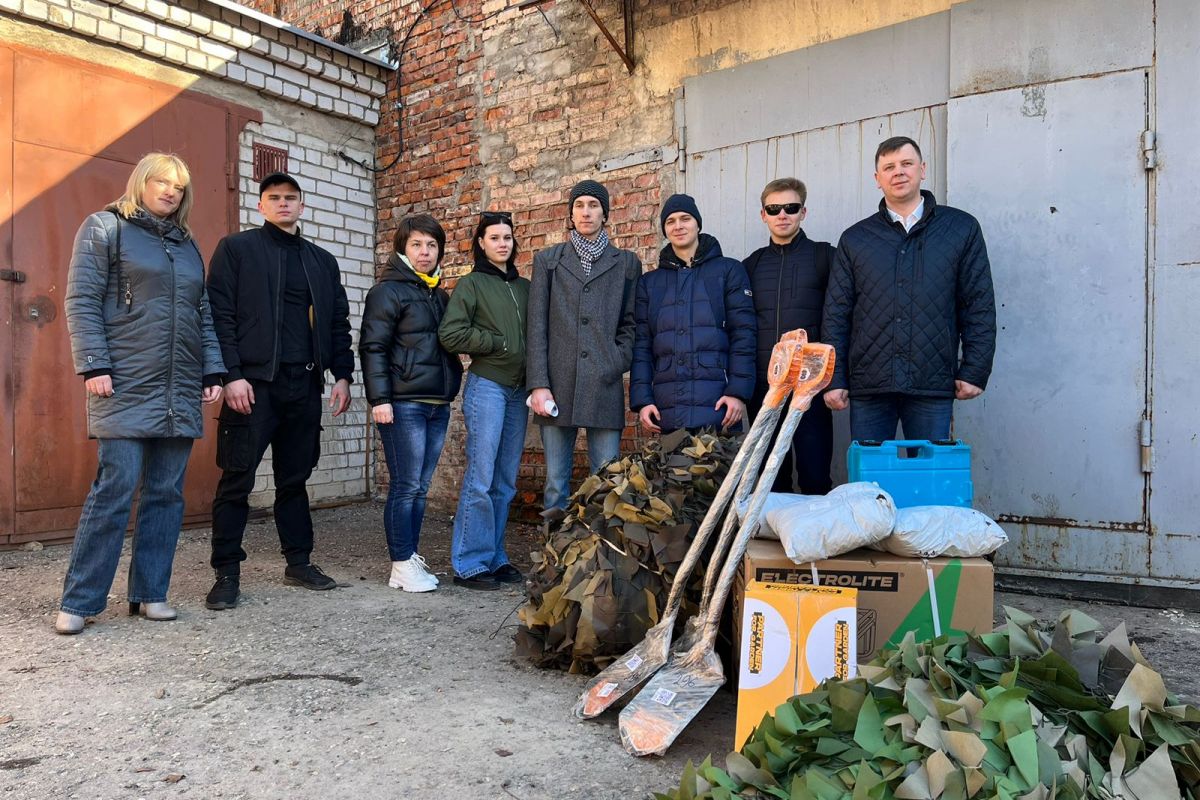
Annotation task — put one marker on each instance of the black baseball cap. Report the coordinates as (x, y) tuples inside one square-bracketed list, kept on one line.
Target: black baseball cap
[(276, 178)]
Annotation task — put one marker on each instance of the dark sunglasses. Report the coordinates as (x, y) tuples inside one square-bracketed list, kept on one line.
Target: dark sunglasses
[(774, 208), (503, 216)]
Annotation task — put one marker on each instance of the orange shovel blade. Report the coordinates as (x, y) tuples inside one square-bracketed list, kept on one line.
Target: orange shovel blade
[(816, 371), (784, 366)]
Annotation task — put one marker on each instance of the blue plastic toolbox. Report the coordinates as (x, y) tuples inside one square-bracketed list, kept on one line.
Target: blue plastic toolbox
[(915, 472)]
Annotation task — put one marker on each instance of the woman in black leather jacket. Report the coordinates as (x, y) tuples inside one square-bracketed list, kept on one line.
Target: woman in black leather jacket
[(410, 380)]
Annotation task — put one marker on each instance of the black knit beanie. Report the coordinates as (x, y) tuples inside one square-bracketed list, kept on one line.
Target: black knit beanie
[(590, 189), (676, 203)]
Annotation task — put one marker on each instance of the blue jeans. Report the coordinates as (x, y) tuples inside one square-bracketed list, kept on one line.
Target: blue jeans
[(604, 444), (158, 466), (874, 417), (412, 444), (496, 417)]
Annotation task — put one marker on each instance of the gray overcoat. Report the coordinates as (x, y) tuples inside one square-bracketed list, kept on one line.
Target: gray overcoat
[(579, 334)]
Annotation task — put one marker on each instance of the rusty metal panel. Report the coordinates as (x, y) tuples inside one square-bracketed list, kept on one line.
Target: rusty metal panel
[(1074, 552), (1174, 499), (61, 174), (1177, 98), (53, 102), (1061, 196), (822, 85), (54, 190), (7, 291), (1000, 44)]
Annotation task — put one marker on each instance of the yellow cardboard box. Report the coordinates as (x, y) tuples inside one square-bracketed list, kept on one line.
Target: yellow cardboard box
[(894, 594), (795, 637)]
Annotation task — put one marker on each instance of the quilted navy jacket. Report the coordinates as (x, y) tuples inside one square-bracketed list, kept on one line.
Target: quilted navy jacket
[(695, 336), (900, 304)]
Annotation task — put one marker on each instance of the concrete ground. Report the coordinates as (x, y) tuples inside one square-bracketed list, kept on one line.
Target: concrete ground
[(361, 692)]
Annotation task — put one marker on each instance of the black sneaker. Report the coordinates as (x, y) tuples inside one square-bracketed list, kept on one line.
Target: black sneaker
[(483, 582), (223, 594), (508, 574), (309, 576)]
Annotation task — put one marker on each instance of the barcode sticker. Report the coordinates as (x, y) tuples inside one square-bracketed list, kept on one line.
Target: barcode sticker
[(663, 697), (634, 661), (606, 690)]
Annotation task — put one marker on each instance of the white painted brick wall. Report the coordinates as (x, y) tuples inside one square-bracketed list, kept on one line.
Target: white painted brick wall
[(343, 468), (260, 55)]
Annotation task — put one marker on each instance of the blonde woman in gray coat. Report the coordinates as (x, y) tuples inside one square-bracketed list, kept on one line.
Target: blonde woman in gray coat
[(580, 341), (142, 340)]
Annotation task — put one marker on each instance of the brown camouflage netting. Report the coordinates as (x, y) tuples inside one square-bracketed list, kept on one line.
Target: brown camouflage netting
[(605, 569)]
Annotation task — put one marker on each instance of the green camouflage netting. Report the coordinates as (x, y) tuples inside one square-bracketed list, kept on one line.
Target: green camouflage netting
[(604, 572), (1029, 712)]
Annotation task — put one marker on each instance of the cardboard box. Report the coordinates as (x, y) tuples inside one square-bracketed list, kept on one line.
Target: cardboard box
[(796, 637), (893, 592)]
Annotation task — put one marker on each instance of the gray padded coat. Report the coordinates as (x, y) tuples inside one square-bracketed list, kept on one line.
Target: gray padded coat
[(142, 315)]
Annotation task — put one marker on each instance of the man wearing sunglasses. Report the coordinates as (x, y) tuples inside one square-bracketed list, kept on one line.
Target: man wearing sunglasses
[(579, 337), (788, 277), (909, 287)]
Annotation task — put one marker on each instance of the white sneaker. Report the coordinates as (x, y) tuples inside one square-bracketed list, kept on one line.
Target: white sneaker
[(411, 577), (425, 569)]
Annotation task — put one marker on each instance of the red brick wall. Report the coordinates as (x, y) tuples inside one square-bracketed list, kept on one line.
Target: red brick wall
[(508, 113)]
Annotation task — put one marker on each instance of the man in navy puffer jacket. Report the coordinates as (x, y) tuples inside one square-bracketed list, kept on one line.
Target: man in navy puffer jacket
[(693, 352)]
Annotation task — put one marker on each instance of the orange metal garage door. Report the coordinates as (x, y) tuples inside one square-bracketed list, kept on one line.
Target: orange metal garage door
[(68, 140)]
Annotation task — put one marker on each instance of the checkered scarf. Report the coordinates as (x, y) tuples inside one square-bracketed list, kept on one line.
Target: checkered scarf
[(588, 250)]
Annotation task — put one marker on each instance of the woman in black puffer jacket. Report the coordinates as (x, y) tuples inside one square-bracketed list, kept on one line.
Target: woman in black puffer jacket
[(410, 380), (142, 339)]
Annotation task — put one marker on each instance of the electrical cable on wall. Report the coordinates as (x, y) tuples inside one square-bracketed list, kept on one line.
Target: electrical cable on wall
[(399, 104)]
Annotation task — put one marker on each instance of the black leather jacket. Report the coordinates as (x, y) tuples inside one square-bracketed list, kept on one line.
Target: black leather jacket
[(398, 345)]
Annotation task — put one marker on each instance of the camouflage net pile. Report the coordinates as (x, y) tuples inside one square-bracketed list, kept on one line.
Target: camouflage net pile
[(1029, 712), (604, 572)]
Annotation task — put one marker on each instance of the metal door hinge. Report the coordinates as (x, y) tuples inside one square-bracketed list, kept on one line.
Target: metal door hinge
[(1147, 446), (1150, 149), (12, 275)]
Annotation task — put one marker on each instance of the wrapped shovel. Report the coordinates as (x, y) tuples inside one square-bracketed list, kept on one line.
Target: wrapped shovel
[(656, 716), (630, 670)]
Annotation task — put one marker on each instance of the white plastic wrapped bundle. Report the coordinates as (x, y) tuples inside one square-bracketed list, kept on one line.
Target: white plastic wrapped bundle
[(812, 528), (951, 531)]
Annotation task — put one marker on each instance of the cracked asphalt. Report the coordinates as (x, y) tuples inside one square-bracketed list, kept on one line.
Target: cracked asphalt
[(359, 692)]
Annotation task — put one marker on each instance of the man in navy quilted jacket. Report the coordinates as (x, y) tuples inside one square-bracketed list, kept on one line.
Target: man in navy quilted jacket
[(694, 331), (910, 289)]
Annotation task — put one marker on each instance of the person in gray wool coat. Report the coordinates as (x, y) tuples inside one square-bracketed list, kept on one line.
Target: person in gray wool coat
[(580, 340)]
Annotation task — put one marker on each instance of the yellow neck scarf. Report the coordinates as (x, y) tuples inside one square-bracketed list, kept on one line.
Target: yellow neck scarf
[(431, 280)]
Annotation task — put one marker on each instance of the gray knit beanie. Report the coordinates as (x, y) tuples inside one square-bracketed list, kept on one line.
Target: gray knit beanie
[(587, 188)]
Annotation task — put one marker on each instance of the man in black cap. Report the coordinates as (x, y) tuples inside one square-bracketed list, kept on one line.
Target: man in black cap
[(282, 319), (579, 339)]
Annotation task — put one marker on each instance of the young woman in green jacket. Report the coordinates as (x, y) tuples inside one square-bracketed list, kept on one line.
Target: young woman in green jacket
[(486, 321)]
